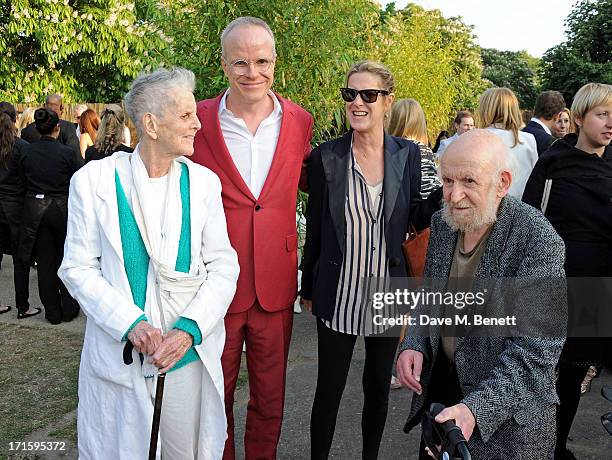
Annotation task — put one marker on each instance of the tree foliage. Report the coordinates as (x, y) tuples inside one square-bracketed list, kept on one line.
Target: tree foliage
[(92, 49), (586, 56), (514, 70), (434, 60), (87, 50)]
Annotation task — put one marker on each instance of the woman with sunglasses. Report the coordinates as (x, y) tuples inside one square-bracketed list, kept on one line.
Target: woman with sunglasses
[(363, 192)]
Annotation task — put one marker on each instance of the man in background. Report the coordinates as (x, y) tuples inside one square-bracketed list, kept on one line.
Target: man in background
[(548, 106), (67, 135)]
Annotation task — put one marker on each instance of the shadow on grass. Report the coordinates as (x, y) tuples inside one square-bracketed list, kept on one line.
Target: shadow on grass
[(38, 380)]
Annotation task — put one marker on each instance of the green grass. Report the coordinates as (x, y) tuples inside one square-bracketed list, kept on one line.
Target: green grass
[(38, 380), (68, 431)]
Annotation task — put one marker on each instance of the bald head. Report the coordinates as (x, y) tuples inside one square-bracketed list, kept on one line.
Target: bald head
[(476, 175), (482, 147), (54, 102)]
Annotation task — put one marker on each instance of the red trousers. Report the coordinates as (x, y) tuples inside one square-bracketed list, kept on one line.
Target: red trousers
[(267, 336)]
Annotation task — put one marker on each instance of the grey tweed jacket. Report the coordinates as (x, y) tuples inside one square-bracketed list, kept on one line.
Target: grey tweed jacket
[(507, 382)]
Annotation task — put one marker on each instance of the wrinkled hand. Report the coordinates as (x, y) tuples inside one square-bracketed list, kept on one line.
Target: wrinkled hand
[(307, 304), (173, 347), (145, 338), (463, 417), (409, 367)]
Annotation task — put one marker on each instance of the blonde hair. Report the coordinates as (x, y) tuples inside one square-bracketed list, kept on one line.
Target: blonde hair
[(26, 118), (572, 122), (589, 96), (110, 133), (500, 107), (376, 68), (407, 120)]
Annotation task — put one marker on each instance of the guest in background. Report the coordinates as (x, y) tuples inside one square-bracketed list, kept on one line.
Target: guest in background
[(110, 138), (463, 122), (11, 207), (563, 125), (441, 137), (47, 167), (407, 120), (548, 106), (67, 134), (78, 111), (498, 111), (26, 118), (88, 125), (579, 207)]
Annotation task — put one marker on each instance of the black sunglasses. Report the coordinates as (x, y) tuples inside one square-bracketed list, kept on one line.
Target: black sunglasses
[(367, 95)]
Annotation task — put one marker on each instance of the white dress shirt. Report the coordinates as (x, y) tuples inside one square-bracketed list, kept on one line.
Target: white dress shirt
[(252, 154), (537, 120)]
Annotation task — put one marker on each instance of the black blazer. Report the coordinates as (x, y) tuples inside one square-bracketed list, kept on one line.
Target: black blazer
[(326, 224), (543, 139), (67, 135)]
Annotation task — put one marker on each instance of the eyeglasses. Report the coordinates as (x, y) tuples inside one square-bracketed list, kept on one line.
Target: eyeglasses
[(241, 66), (367, 95)]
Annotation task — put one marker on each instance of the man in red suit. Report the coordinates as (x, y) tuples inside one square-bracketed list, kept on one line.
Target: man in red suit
[(257, 143)]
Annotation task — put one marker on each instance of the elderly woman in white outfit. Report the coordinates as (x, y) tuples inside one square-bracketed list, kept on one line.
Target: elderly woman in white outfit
[(498, 111), (148, 258)]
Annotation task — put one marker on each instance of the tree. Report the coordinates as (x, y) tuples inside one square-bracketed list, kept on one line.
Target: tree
[(434, 60), (586, 56), (512, 70), (87, 50)]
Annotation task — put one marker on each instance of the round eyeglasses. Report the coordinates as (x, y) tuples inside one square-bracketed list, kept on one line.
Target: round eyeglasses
[(242, 66)]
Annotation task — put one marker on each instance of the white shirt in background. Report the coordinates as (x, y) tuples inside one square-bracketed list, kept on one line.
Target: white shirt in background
[(252, 154)]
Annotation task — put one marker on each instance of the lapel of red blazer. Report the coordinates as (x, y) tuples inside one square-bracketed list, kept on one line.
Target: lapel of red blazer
[(211, 130), (284, 136)]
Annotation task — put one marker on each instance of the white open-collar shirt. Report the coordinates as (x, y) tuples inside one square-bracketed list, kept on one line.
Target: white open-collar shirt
[(252, 153)]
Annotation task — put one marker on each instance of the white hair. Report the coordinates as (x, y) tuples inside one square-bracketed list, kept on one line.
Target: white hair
[(149, 92), (246, 21)]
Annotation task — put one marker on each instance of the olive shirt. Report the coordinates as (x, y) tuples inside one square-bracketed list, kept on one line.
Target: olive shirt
[(463, 267)]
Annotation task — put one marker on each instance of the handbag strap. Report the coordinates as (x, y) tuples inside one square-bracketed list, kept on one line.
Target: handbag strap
[(545, 195)]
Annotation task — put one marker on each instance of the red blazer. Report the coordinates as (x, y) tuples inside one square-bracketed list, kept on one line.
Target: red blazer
[(262, 231)]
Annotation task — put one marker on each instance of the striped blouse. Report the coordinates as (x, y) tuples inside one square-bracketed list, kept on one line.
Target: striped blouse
[(365, 266)]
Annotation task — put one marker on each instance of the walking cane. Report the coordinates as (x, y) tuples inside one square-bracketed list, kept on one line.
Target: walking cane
[(157, 406)]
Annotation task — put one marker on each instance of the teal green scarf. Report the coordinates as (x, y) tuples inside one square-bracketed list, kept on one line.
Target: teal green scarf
[(136, 258)]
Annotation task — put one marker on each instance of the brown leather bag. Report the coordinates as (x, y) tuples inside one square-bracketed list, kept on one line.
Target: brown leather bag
[(415, 251)]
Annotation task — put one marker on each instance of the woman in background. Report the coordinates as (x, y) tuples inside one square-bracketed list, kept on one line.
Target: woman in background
[(47, 167), (26, 118), (563, 125), (88, 125), (498, 111), (111, 134), (407, 120), (11, 207)]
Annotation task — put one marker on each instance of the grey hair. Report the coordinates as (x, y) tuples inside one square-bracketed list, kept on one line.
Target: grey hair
[(149, 92), (246, 21)]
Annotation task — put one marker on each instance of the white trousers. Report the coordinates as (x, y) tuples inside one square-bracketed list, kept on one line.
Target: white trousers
[(180, 416)]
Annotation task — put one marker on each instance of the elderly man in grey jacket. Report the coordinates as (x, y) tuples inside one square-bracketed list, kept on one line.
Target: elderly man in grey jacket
[(499, 390)]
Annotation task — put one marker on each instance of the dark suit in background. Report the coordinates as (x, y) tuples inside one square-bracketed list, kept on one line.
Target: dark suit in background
[(67, 135), (543, 139)]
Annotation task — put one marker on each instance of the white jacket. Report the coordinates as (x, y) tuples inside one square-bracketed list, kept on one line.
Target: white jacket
[(115, 410), (524, 157)]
